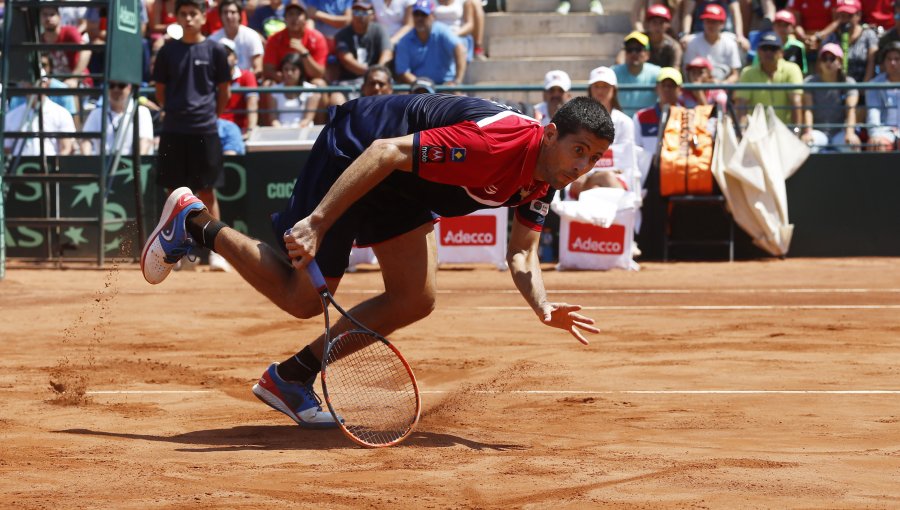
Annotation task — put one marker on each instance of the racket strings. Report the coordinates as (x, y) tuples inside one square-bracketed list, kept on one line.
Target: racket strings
[(371, 388)]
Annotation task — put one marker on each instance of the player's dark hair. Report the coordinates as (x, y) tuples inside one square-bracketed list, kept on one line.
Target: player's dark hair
[(199, 4), (225, 3), (584, 113)]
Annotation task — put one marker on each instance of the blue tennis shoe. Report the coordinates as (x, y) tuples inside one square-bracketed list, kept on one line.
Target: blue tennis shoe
[(170, 241), (298, 401)]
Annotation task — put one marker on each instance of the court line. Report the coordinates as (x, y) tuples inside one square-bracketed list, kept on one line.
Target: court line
[(657, 291), (560, 392), (146, 392), (696, 307)]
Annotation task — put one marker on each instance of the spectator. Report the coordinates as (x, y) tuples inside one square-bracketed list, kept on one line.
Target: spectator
[(716, 46), (294, 109), (812, 16), (232, 141), (395, 16), (758, 14), (422, 85), (248, 45), (859, 44), (774, 69), (214, 17), (478, 32), (362, 44), (732, 21), (557, 85), (163, 16), (64, 62), (329, 16), (636, 71), (429, 50), (268, 19), (243, 107), (639, 12), (565, 6), (193, 86), (459, 16), (646, 121), (700, 70), (830, 106), (25, 118), (794, 49), (891, 35), (884, 104), (119, 96), (879, 13), (67, 102), (296, 38), (665, 51), (377, 81), (603, 88)]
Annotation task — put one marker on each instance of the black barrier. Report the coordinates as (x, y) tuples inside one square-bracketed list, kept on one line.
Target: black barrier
[(840, 204)]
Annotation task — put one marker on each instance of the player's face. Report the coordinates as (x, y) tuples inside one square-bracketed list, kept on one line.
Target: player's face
[(564, 159)]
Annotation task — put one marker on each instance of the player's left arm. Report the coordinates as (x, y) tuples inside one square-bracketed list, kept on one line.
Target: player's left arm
[(525, 268)]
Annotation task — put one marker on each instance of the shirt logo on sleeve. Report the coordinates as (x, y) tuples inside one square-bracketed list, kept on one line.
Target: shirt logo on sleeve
[(457, 155), (433, 154), (539, 207)]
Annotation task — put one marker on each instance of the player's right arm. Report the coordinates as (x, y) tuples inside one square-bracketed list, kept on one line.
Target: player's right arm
[(370, 168)]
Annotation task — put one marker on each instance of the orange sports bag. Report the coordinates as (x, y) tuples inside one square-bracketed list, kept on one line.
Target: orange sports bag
[(685, 152)]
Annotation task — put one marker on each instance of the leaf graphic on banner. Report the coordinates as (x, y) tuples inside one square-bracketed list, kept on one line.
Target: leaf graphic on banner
[(75, 235), (86, 192), (113, 245)]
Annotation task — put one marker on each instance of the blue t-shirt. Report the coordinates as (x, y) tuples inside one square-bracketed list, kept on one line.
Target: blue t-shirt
[(264, 14), (230, 135), (434, 59), (632, 101), (191, 74), (336, 7)]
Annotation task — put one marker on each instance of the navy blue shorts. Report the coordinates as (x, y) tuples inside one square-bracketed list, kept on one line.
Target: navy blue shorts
[(387, 211)]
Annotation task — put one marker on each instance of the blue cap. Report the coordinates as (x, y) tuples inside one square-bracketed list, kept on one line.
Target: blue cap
[(426, 7), (769, 39)]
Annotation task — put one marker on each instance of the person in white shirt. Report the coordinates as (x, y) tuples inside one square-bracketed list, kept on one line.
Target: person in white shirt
[(395, 16), (25, 117), (557, 85), (119, 94), (294, 109), (720, 48), (248, 43)]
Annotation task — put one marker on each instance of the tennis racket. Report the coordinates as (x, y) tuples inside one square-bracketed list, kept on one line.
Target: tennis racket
[(369, 388)]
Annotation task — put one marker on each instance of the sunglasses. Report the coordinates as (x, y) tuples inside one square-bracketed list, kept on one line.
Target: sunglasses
[(634, 49), (828, 58), (361, 13), (767, 48), (114, 86)]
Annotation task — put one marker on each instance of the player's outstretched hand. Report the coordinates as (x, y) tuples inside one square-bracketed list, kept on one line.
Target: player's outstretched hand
[(565, 316), (301, 242)]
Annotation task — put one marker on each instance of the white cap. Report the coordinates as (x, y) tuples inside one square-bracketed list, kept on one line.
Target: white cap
[(228, 43), (604, 74), (557, 78)]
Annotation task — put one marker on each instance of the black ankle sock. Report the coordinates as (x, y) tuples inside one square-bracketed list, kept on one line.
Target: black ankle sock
[(204, 228), (301, 367)]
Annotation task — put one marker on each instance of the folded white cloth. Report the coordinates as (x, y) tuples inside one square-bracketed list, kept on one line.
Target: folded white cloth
[(597, 206)]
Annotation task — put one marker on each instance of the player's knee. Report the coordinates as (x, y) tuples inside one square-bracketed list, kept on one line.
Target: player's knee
[(304, 310), (421, 305)]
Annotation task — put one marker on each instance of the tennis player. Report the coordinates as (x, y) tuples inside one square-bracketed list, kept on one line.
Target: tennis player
[(381, 171)]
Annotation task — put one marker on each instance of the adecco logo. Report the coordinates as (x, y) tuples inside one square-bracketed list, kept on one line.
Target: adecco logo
[(587, 238), (468, 231)]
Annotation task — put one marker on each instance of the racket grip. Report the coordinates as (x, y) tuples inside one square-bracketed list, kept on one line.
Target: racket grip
[(315, 276)]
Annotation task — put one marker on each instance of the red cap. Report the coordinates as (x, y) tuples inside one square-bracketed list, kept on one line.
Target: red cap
[(700, 63), (786, 16), (659, 11), (714, 12), (848, 6)]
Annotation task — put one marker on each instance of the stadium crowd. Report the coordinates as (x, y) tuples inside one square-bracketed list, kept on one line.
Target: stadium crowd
[(368, 45)]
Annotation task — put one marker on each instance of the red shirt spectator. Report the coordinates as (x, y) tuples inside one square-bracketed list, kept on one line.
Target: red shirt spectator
[(812, 15), (238, 100), (286, 41), (878, 13)]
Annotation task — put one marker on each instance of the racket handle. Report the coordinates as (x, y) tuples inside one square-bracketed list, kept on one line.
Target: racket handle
[(315, 275)]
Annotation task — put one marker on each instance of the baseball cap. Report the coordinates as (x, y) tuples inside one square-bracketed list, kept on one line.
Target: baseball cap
[(361, 4), (422, 85), (639, 37), (714, 12), (832, 48), (786, 16), (426, 7), (769, 39), (659, 11), (294, 5), (848, 6), (557, 78), (669, 73), (700, 63), (605, 75), (228, 43)]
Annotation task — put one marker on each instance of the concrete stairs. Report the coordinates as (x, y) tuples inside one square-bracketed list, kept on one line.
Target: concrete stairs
[(530, 38)]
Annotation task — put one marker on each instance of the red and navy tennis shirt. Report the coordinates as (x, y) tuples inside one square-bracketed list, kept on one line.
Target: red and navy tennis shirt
[(470, 153)]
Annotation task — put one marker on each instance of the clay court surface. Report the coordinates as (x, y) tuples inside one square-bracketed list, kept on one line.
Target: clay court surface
[(766, 384)]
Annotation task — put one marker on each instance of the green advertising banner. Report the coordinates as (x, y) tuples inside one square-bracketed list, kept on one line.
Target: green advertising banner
[(124, 41)]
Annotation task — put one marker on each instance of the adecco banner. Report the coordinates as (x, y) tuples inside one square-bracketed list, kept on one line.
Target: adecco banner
[(478, 237), (587, 246)]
